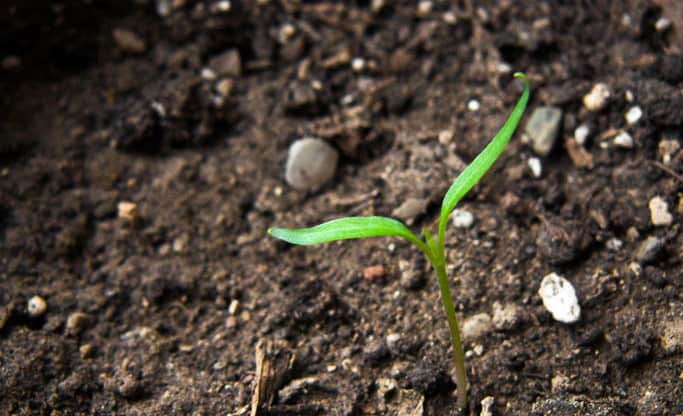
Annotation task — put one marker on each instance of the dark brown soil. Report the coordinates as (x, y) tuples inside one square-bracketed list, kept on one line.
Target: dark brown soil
[(173, 310)]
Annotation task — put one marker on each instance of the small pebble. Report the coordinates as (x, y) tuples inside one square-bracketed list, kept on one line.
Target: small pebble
[(462, 218), (310, 163), (659, 211), (392, 340), (127, 211), (446, 136), (227, 64), (649, 249), (559, 384), (222, 6), (581, 134), (597, 98), (486, 404), (629, 97), (85, 351), (372, 273), (559, 298), (672, 337), (411, 279), (623, 139), (75, 323), (535, 167), (473, 105), (377, 5), (633, 115), (424, 8), (667, 149), (662, 24), (224, 87), (286, 32), (128, 41), (358, 64), (36, 306), (614, 244), (410, 209), (449, 18), (543, 128), (476, 326), (506, 317), (234, 307)]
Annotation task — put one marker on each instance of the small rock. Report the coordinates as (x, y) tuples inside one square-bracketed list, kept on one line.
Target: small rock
[(311, 162), (36, 306), (410, 209), (559, 384), (486, 404), (473, 105), (392, 340), (614, 244), (623, 139), (377, 5), (233, 307), (476, 326), (75, 323), (543, 128), (127, 211), (128, 41), (450, 18), (578, 154), (411, 279), (672, 337), (358, 64), (559, 298), (597, 98), (659, 211), (662, 24), (667, 149), (535, 167), (386, 387), (227, 64), (446, 136), (633, 115), (649, 249), (224, 87), (373, 273), (506, 317), (462, 218), (286, 32), (424, 8), (581, 134), (85, 351)]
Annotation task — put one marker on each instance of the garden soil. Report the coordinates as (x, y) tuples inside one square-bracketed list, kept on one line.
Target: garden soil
[(142, 155)]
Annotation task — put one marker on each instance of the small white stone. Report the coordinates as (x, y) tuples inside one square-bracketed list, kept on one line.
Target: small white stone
[(358, 64), (504, 68), (597, 98), (626, 19), (223, 6), (449, 17), (559, 298), (233, 307), (424, 8), (311, 162), (623, 139), (662, 24), (628, 95), (667, 148), (462, 218), (127, 211), (446, 136), (659, 211), (581, 134), (614, 244), (486, 404), (535, 167), (476, 326), (633, 115), (473, 105), (286, 32), (208, 74), (392, 340), (36, 306), (377, 5)]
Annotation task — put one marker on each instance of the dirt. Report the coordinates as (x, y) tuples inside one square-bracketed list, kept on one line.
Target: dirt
[(181, 304)]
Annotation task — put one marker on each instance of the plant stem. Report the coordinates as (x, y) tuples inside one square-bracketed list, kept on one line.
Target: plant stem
[(458, 353)]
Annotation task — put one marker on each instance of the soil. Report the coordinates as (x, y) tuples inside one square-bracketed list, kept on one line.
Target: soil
[(181, 304)]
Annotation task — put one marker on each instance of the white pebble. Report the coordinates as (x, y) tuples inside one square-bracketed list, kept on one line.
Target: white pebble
[(208, 74), (559, 298), (473, 105), (462, 218), (358, 64), (623, 139), (127, 211), (424, 8), (597, 98), (662, 24), (633, 115), (446, 136), (486, 404), (535, 167), (449, 18), (311, 162), (476, 326), (581, 134), (628, 95), (36, 306), (286, 32), (659, 211), (392, 340), (614, 244)]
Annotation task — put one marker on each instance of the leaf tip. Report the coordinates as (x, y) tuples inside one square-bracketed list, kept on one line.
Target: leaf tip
[(523, 76)]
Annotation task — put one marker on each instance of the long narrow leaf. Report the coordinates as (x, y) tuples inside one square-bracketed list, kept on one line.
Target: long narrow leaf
[(481, 164), (345, 229)]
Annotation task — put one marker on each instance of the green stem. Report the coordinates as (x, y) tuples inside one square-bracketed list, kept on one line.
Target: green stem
[(458, 353)]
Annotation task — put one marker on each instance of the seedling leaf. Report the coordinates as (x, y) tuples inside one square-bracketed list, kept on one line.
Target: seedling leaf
[(345, 229), (481, 164)]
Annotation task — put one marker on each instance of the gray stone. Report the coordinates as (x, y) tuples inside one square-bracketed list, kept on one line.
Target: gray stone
[(227, 64), (311, 162), (129, 41), (410, 208), (506, 317), (476, 326), (543, 128)]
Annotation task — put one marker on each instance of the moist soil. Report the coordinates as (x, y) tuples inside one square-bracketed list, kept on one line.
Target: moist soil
[(181, 303)]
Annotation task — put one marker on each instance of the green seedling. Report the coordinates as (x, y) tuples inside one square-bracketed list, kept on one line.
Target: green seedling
[(434, 249)]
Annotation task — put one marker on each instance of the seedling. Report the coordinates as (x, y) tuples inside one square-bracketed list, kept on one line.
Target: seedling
[(434, 249)]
